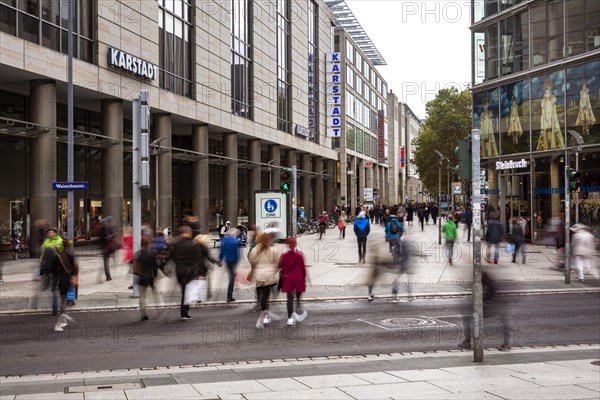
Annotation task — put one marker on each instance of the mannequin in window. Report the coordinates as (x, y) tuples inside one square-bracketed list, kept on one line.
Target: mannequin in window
[(488, 140), (585, 118), (514, 123), (551, 136)]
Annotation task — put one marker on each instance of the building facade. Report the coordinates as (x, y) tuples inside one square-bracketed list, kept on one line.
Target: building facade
[(412, 190), (536, 88), (237, 91)]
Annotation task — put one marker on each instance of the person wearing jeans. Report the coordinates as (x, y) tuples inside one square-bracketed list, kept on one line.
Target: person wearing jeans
[(230, 256), (493, 235), (362, 229), (449, 229)]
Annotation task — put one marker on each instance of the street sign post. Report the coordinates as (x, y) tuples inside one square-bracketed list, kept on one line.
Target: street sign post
[(272, 213), (83, 185)]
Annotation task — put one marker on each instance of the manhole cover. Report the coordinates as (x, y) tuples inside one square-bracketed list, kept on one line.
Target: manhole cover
[(418, 322), (596, 363), (100, 388)]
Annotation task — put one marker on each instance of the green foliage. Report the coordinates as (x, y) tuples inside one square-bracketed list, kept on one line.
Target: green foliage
[(448, 120)]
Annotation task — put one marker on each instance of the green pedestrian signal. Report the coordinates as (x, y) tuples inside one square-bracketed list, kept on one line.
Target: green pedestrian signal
[(573, 177), (286, 184)]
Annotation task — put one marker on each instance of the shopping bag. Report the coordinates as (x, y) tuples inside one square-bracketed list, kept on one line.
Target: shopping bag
[(195, 291), (71, 295), (510, 248)]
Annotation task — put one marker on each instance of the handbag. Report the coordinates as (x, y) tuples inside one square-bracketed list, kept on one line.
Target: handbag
[(195, 291), (340, 224), (510, 248)]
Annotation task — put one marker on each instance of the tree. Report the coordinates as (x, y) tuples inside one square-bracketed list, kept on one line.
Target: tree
[(448, 120)]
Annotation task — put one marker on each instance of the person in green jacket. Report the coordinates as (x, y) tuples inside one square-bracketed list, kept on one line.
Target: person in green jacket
[(450, 233), (51, 246)]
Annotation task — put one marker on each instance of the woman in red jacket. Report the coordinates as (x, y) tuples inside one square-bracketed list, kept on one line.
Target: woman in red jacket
[(293, 271)]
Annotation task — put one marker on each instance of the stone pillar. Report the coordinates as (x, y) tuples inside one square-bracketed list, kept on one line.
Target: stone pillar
[(354, 199), (330, 185), (369, 176), (342, 195), (305, 189), (43, 203), (162, 129), (361, 181), (253, 179), (230, 206), (275, 155), (493, 185), (200, 183), (112, 161), (502, 200), (386, 184), (555, 179), (318, 197)]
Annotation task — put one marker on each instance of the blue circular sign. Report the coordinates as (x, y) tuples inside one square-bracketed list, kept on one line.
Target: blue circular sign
[(270, 206)]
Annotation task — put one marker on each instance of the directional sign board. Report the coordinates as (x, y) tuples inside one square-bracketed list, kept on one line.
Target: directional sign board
[(70, 185), (271, 210)]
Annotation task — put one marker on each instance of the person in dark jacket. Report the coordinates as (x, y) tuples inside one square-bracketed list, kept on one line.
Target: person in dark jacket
[(185, 254), (145, 267), (230, 256), (517, 238), (393, 237), (108, 244), (434, 213), (468, 220), (65, 274), (362, 228), (421, 215), (409, 214), (493, 235)]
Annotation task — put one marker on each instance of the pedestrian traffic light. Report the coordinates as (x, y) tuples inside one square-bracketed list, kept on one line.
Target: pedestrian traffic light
[(286, 184), (573, 177), (463, 152)]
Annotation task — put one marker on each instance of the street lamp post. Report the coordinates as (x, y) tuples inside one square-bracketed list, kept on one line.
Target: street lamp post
[(579, 140), (270, 175)]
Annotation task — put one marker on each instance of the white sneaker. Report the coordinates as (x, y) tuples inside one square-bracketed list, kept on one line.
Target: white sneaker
[(260, 322), (370, 298), (266, 320), (395, 299), (291, 321), (58, 328), (300, 317)]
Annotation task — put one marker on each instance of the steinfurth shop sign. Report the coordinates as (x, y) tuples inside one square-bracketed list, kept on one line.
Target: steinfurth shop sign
[(132, 64), (501, 165)]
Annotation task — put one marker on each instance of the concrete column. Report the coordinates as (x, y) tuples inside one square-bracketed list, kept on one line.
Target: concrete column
[(361, 181), (200, 184), (493, 185), (369, 176), (230, 206), (502, 200), (43, 156), (275, 155), (555, 179), (253, 179), (330, 185), (305, 189), (354, 199), (318, 197), (162, 129), (112, 161), (342, 195)]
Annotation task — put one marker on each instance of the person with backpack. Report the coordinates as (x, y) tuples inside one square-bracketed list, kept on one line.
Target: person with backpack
[(230, 256), (450, 233), (493, 235), (362, 228), (518, 240), (393, 232)]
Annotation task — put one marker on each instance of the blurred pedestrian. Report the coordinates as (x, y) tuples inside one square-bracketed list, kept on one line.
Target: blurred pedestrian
[(342, 222), (393, 231), (264, 261), (145, 268), (493, 236), (185, 254), (224, 229), (108, 245), (583, 251), (434, 213), (65, 275), (293, 273), (517, 238), (323, 219), (421, 216), (230, 256), (362, 229), (52, 245), (468, 220), (450, 234)]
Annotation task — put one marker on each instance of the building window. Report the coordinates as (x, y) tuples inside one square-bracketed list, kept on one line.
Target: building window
[(350, 136), (313, 69), (241, 57), (46, 23), (175, 46), (349, 76), (283, 70), (555, 31), (358, 86), (349, 51), (514, 49)]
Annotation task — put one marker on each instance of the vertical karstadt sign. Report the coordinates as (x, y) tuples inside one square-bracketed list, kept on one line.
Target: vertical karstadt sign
[(334, 94)]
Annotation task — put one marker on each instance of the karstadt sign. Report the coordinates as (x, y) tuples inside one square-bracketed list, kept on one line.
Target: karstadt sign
[(132, 64)]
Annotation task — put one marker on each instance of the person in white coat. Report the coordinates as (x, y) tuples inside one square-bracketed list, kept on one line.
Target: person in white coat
[(583, 248)]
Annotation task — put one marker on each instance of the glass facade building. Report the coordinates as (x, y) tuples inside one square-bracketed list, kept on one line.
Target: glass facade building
[(536, 86)]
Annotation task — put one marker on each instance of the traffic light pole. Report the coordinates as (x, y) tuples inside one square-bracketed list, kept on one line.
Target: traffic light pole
[(567, 223), (439, 200), (294, 210), (477, 285)]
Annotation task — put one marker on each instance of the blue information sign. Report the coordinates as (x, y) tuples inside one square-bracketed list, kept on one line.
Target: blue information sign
[(70, 185), (270, 206)]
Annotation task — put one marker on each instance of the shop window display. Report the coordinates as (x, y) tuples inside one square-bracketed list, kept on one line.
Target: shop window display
[(548, 114), (514, 118), (485, 119), (583, 101)]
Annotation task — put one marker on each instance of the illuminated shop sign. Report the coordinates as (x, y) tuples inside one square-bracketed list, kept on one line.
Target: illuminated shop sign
[(334, 94), (500, 165), (132, 64)]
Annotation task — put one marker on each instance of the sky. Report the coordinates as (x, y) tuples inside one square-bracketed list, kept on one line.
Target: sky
[(425, 43)]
